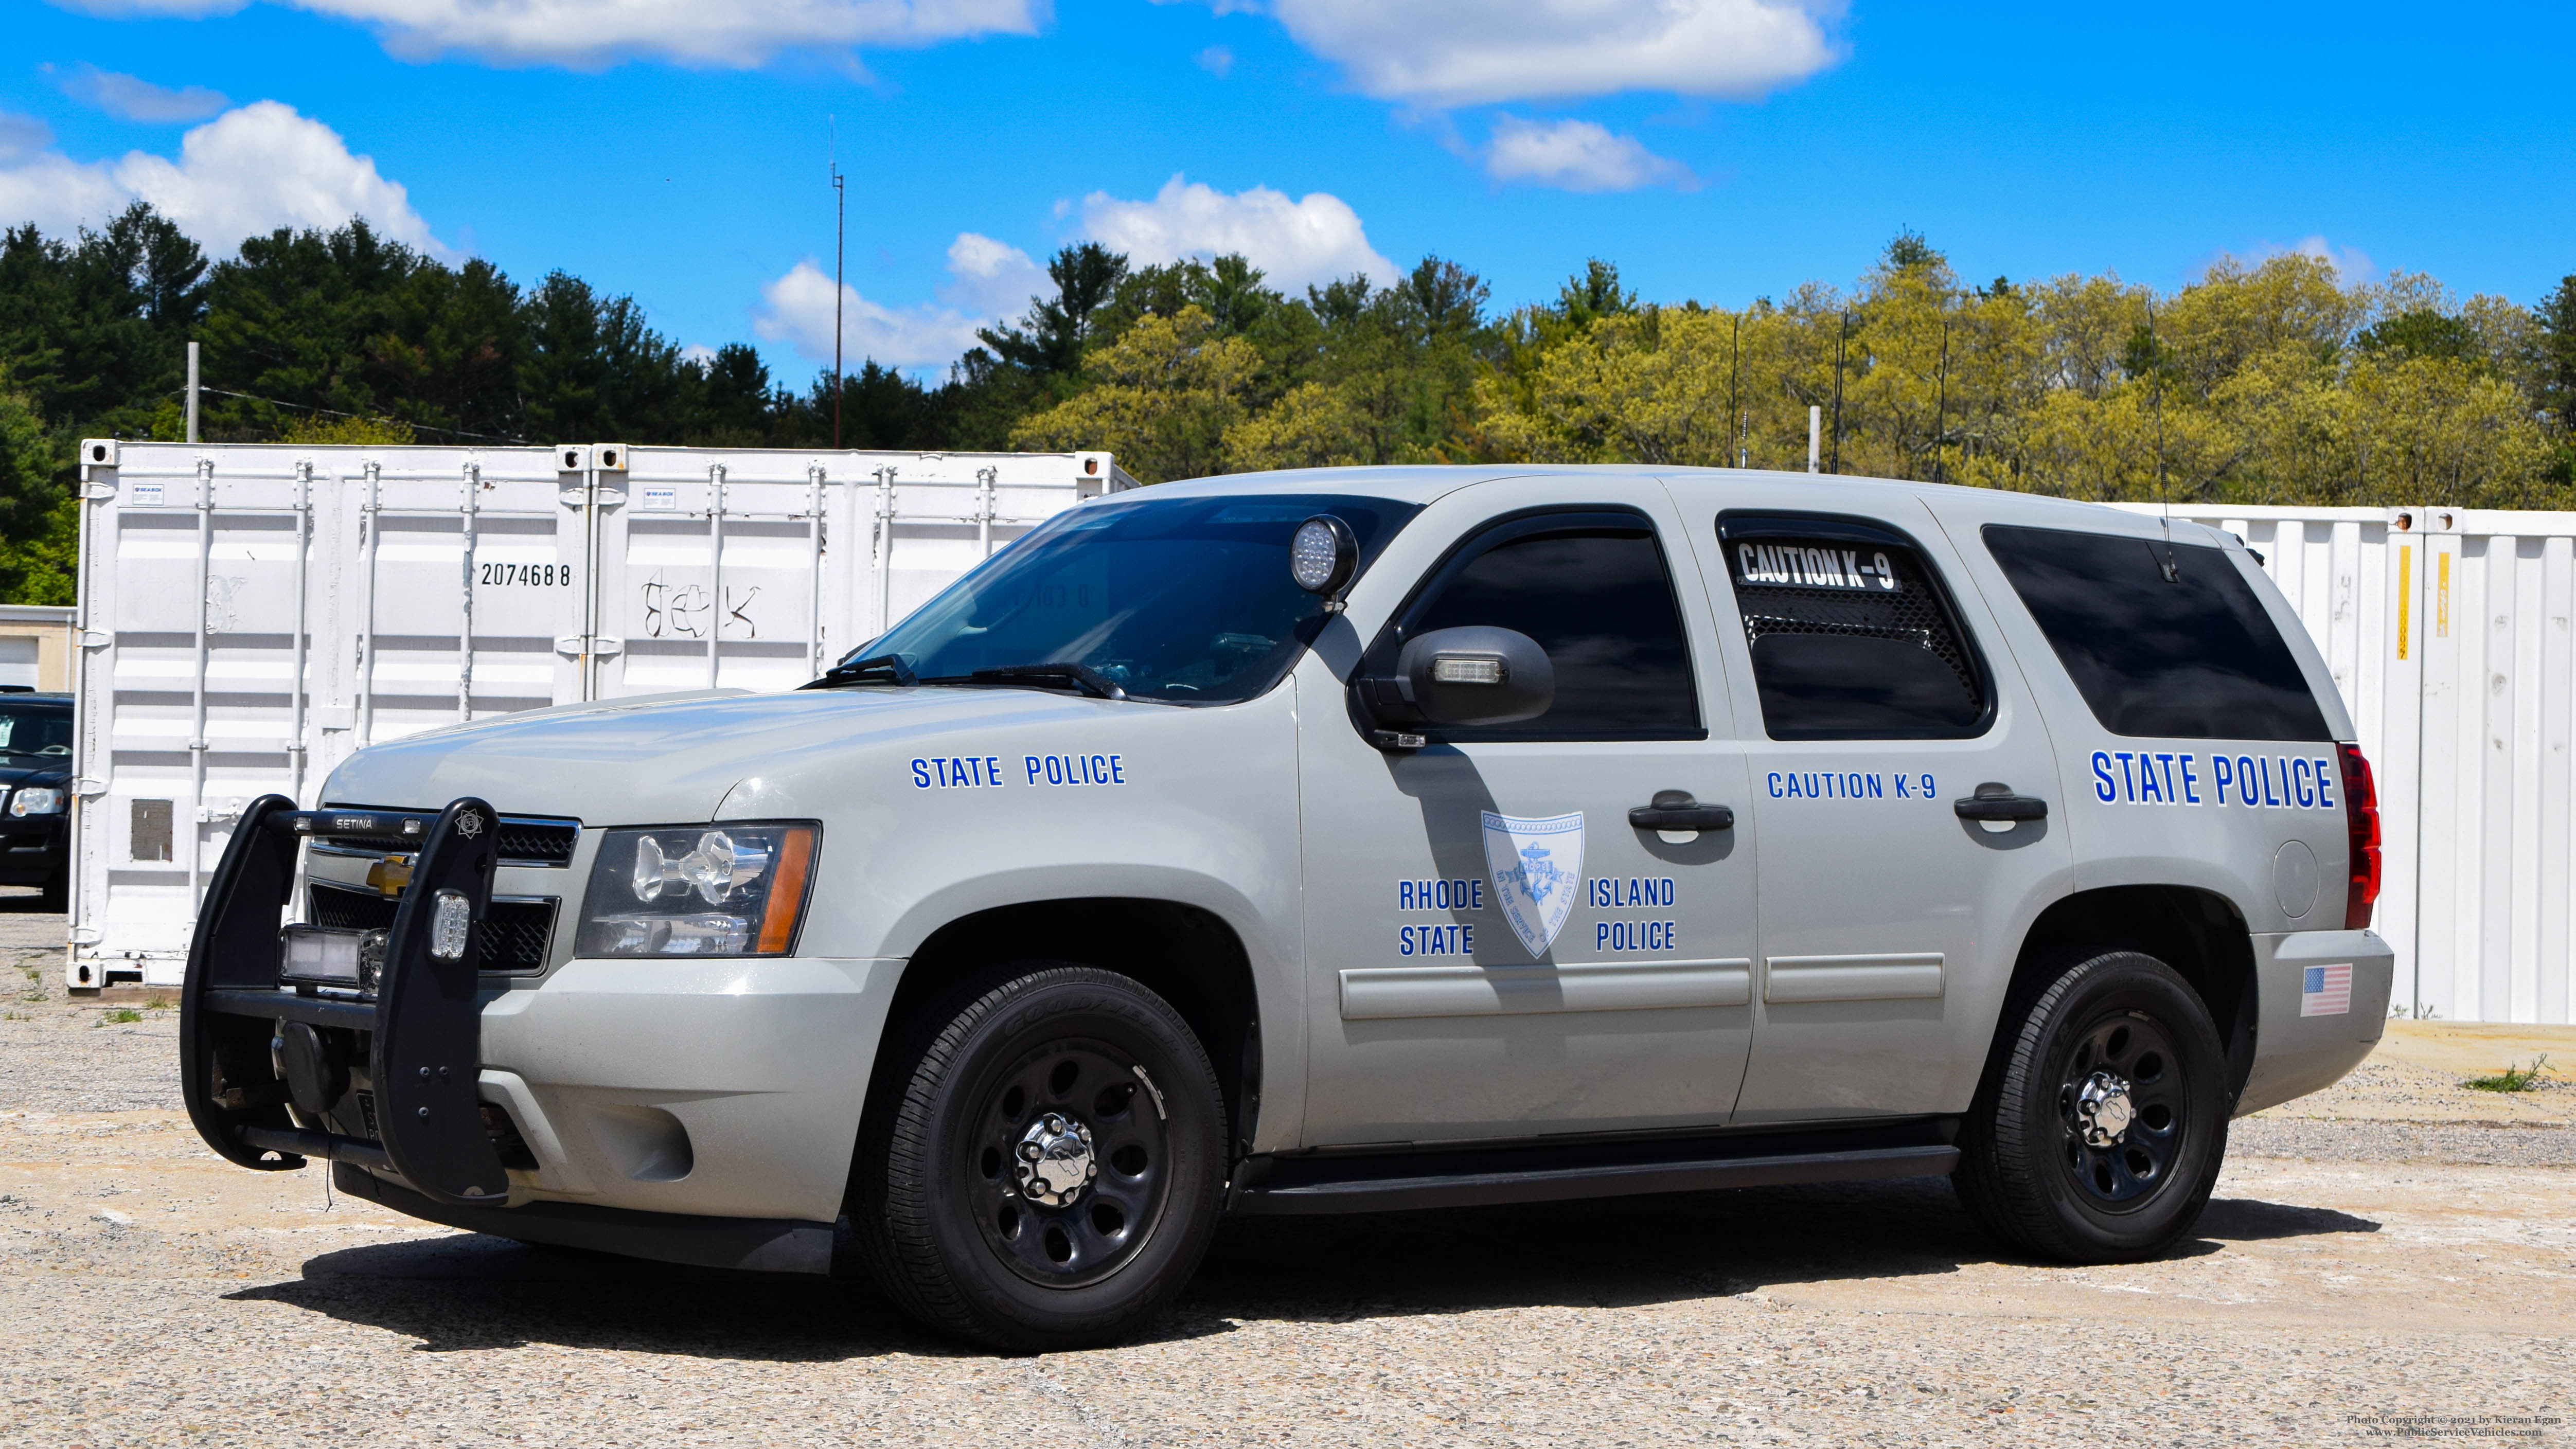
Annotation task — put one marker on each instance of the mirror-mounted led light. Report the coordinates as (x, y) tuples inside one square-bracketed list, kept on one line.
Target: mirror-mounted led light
[(1468, 669), (451, 926), (1322, 555)]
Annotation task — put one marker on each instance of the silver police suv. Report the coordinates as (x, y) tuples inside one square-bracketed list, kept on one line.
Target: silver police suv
[(1343, 841)]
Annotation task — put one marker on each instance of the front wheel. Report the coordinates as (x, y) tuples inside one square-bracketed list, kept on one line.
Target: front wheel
[(1053, 1169), (2099, 1135)]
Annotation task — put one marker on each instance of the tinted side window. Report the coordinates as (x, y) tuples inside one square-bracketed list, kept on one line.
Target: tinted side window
[(1852, 636), (2190, 656), (1600, 601)]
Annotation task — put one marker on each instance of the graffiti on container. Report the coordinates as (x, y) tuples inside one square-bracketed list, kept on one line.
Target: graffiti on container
[(223, 594), (681, 611)]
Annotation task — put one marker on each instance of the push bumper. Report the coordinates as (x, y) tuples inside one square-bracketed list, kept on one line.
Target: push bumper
[(695, 1111), (2323, 1005)]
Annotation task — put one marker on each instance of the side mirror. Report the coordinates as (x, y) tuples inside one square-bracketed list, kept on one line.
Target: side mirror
[(1476, 675)]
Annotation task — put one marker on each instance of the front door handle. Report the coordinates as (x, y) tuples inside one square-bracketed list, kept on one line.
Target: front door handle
[(1995, 802), (1676, 810)]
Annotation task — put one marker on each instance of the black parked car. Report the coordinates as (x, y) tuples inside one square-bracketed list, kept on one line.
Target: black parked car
[(36, 773)]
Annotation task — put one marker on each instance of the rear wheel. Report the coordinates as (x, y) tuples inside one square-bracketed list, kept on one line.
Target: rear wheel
[(2099, 1135), (1052, 1171)]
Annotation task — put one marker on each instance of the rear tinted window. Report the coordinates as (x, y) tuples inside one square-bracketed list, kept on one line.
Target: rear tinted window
[(1852, 637), (2192, 655)]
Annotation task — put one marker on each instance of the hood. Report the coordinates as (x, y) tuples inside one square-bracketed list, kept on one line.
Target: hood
[(673, 759), (21, 771)]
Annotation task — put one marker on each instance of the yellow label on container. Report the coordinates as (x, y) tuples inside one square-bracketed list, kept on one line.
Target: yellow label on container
[(2405, 597), (2442, 599)]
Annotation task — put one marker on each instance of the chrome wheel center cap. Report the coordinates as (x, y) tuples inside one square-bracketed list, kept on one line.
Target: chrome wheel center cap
[(1053, 1162), (2103, 1111)]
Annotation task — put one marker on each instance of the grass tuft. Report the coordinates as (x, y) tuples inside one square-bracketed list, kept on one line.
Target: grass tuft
[(120, 1016), (2513, 1078)]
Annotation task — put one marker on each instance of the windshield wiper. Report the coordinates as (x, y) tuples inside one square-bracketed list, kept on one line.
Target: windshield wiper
[(1081, 677), (876, 669)]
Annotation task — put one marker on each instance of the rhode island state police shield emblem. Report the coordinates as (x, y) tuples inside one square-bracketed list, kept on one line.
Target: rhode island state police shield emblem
[(1537, 865)]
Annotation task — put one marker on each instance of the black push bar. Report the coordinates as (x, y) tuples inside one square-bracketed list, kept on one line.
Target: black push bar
[(422, 1032)]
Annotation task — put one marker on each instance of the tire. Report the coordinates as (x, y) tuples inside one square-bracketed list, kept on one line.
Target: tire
[(1102, 1081), (2041, 1171)]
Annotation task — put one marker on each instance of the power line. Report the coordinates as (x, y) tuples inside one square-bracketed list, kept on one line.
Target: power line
[(361, 417)]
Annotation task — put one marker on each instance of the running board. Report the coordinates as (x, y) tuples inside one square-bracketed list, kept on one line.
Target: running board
[(1548, 1172)]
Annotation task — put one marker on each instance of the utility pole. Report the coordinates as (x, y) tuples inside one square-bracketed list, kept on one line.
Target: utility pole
[(1815, 429), (192, 392), (1734, 406), (840, 239), (1841, 334)]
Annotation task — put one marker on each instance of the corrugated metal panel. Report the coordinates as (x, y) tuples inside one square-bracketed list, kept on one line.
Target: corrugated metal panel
[(416, 587), (2448, 632)]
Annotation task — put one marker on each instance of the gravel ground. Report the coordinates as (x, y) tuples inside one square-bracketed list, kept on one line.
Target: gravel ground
[(2392, 1255)]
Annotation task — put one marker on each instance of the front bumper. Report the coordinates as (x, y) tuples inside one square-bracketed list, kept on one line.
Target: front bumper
[(2306, 1041), (33, 848), (722, 1090)]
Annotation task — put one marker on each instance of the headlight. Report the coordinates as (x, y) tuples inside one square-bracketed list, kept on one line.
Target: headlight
[(36, 800), (695, 890)]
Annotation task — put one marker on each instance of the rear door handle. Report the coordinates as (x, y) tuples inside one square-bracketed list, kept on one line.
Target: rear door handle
[(1676, 810), (1997, 802)]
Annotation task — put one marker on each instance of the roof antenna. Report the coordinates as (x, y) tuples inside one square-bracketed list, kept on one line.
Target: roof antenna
[(2156, 404)]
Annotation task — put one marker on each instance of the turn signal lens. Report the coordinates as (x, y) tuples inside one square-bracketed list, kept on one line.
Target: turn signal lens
[(2361, 830)]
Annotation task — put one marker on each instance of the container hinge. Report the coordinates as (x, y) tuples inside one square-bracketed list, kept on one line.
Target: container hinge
[(96, 638), (602, 646), (88, 785), (98, 492), (609, 497), (87, 935), (218, 815)]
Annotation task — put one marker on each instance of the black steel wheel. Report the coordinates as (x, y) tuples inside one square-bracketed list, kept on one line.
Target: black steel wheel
[(1044, 1166), (1073, 1160), (2099, 1130)]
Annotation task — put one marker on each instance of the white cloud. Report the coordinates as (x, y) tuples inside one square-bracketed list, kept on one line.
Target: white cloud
[(1577, 156), (1216, 60), (1314, 239), (2352, 265), (129, 98), (988, 280), (1477, 52), (992, 279), (247, 171), (593, 33)]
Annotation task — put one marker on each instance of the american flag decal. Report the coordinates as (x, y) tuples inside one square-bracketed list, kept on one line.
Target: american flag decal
[(2326, 990)]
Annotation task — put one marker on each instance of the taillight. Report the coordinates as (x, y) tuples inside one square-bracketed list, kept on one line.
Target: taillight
[(2361, 831)]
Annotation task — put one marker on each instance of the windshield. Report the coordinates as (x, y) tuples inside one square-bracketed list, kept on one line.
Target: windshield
[(38, 732), (1181, 600)]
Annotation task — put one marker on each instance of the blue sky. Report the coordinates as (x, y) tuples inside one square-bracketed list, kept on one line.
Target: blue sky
[(1717, 149)]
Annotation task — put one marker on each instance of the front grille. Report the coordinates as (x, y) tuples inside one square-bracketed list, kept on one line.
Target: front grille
[(514, 934), (523, 840)]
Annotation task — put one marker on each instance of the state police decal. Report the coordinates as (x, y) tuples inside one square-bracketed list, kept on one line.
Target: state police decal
[(1538, 867)]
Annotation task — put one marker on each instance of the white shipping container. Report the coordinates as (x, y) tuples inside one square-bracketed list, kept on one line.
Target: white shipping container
[(415, 587)]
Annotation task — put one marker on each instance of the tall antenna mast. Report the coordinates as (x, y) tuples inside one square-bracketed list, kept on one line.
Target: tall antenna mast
[(840, 235)]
